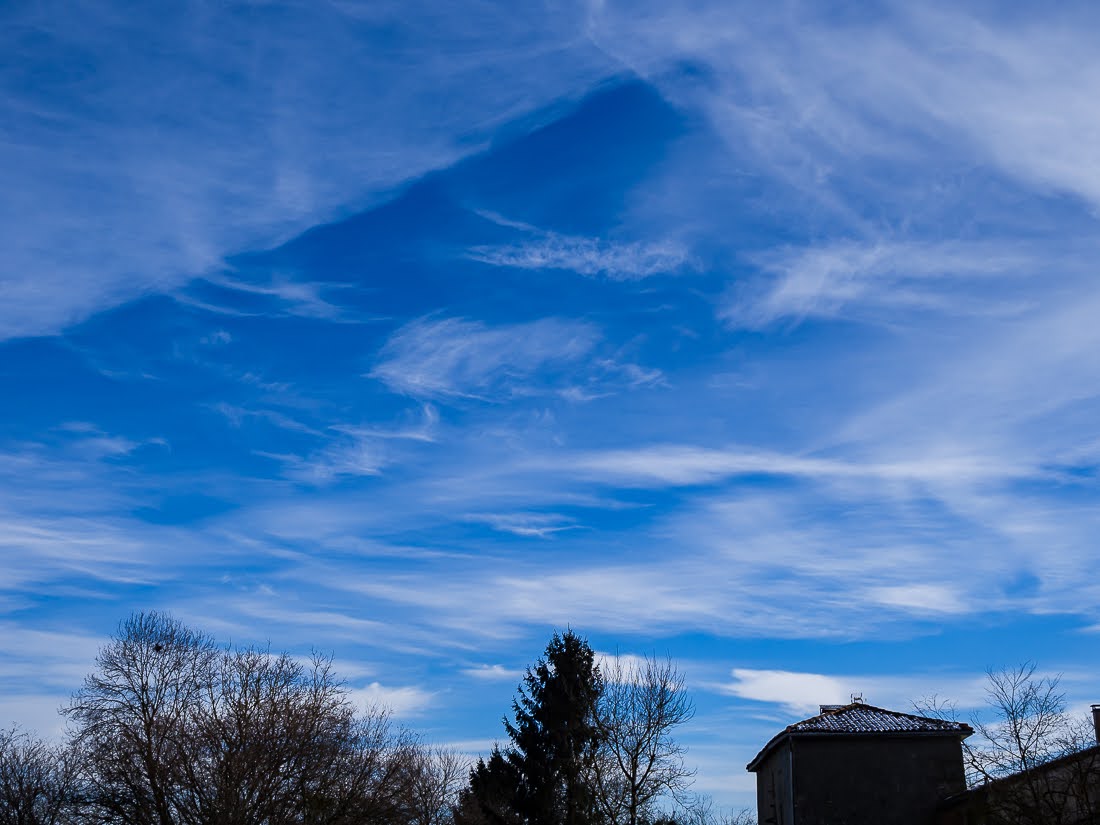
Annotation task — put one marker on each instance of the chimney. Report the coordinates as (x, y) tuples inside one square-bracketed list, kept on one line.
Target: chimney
[(1096, 721)]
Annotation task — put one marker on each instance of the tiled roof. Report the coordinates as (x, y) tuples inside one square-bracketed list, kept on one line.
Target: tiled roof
[(858, 718)]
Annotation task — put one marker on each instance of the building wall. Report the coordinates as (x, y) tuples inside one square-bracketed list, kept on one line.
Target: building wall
[(860, 780), (774, 796)]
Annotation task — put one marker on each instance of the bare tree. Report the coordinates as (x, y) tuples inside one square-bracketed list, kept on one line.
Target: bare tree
[(701, 810), (437, 775), (172, 730), (639, 760), (1029, 725), (35, 781), (1030, 761), (129, 718), (267, 742), (1019, 754)]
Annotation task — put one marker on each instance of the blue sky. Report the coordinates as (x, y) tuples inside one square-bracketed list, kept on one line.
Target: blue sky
[(415, 331)]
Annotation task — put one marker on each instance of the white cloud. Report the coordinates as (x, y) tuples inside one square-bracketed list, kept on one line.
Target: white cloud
[(625, 664), (272, 608), (238, 415), (454, 357), (879, 279), (60, 658), (402, 702), (681, 464), (103, 550), (802, 693), (359, 450), (824, 98), (799, 692), (618, 261), (284, 296), (534, 525), (921, 598), (838, 549), (349, 457), (494, 673)]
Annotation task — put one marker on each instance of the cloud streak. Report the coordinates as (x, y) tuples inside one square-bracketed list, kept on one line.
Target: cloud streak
[(681, 464), (460, 358), (802, 693), (880, 279), (591, 257)]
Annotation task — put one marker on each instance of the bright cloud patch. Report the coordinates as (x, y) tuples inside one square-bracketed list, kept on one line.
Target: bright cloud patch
[(928, 598), (401, 701), (454, 357), (803, 693), (494, 673), (678, 464)]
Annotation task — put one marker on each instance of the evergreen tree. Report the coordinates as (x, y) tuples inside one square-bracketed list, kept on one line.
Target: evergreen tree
[(555, 736), (490, 798), (545, 776)]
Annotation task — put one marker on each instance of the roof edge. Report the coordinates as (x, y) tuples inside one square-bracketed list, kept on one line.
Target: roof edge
[(963, 731)]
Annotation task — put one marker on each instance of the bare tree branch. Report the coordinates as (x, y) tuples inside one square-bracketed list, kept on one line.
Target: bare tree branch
[(1029, 762), (35, 781), (640, 762)]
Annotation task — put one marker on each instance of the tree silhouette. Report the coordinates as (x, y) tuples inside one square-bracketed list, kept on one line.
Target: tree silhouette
[(172, 730), (640, 761), (545, 777), (556, 736)]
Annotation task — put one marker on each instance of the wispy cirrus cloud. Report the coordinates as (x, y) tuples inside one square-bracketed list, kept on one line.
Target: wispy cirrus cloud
[(913, 468), (62, 656), (812, 559), (682, 464), (529, 525), (358, 450), (828, 96), (878, 280), (456, 357), (615, 260), (223, 294), (237, 415), (141, 169)]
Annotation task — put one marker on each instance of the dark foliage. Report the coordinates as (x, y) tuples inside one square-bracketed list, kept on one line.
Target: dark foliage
[(545, 775), (491, 796)]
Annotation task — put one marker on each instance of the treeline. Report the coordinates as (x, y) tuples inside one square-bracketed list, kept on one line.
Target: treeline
[(173, 729)]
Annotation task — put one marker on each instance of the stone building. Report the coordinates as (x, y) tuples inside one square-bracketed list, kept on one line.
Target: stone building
[(857, 764)]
